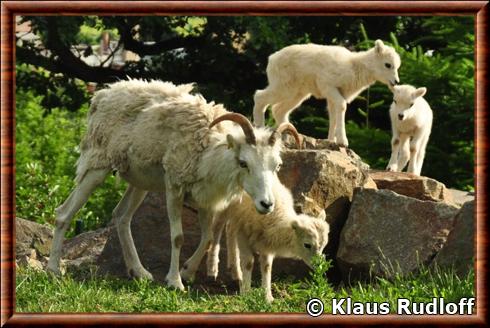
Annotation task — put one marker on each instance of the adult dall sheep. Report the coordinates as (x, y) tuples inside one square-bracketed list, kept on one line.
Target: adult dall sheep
[(331, 72), (159, 136), (411, 123), (281, 233)]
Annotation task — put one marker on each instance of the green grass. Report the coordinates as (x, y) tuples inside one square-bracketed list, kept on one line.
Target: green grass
[(39, 292)]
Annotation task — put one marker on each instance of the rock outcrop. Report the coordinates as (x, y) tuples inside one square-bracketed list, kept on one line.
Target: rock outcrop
[(387, 233)]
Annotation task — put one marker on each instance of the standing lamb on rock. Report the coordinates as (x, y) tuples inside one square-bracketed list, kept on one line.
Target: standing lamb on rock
[(281, 233), (159, 136), (331, 72), (411, 123)]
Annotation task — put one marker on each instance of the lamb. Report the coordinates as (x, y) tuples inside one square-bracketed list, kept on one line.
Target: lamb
[(282, 233), (332, 72), (411, 123), (158, 136)]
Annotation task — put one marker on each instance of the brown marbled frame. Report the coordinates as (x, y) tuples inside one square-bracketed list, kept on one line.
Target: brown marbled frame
[(9, 9)]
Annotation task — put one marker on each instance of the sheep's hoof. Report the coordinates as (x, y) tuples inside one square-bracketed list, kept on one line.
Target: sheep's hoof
[(140, 273), (53, 271), (175, 283)]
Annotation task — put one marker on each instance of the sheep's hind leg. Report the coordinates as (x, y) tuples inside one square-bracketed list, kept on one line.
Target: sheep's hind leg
[(191, 265), (282, 110), (337, 107), (175, 202), (68, 209), (262, 98), (246, 264), (123, 213)]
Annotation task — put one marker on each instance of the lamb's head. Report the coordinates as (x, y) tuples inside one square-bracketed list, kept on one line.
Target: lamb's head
[(257, 158), (311, 236), (404, 97), (386, 64)]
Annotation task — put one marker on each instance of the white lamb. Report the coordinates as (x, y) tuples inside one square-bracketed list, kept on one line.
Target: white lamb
[(158, 137), (281, 233), (411, 123), (331, 72)]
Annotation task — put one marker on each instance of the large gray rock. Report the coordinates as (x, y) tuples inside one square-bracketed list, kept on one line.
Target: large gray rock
[(459, 250), (388, 233), (412, 185)]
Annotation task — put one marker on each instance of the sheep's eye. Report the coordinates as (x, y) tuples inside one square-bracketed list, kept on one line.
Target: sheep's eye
[(307, 246), (387, 65), (394, 101), (242, 164), (278, 167), (411, 104)]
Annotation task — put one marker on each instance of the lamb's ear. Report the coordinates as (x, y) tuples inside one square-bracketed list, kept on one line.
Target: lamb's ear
[(379, 46), (295, 225), (322, 215), (420, 92), (231, 141)]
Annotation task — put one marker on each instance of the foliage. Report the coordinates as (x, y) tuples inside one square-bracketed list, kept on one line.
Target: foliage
[(46, 153), (39, 292)]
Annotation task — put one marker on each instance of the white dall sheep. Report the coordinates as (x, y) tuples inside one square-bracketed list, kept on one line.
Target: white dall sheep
[(159, 137), (411, 124), (327, 72), (281, 233)]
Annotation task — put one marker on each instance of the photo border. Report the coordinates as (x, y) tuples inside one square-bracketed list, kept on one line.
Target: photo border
[(10, 9)]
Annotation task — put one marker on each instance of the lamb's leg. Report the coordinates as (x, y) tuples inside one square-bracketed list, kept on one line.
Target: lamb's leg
[(415, 146), (338, 106), (191, 265), (262, 98), (246, 265), (395, 148), (213, 252), (122, 214), (332, 123), (233, 259), (266, 272), (421, 155), (68, 209), (175, 202), (282, 110), (404, 152)]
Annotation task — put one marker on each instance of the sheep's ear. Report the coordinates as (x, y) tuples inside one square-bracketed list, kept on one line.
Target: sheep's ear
[(420, 92), (230, 140), (379, 46), (322, 215)]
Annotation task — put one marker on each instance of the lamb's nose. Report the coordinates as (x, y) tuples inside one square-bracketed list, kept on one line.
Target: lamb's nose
[(265, 204), (400, 117)]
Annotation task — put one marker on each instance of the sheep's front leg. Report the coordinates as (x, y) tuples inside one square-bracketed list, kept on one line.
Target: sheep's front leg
[(404, 151), (395, 148), (337, 107), (175, 202), (233, 258), (266, 272), (123, 213), (191, 265)]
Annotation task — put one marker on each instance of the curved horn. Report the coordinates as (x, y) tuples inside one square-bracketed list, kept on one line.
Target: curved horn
[(285, 128), (241, 120)]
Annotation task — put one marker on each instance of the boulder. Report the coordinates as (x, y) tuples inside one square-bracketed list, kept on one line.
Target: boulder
[(459, 250), (30, 236), (388, 233), (412, 185)]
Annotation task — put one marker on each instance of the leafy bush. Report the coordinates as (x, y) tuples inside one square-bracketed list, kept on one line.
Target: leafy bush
[(46, 153)]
